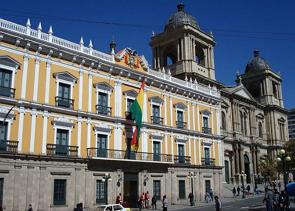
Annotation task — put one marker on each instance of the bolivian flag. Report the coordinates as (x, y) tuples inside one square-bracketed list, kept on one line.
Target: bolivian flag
[(136, 114)]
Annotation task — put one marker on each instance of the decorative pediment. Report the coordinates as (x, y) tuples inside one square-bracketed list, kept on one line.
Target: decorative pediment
[(180, 106), (103, 86), (65, 76), (282, 119), (131, 58), (130, 93), (63, 122), (205, 112), (156, 99), (10, 62), (241, 91)]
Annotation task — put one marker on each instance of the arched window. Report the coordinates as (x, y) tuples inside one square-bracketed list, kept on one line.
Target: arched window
[(242, 122), (223, 121), (260, 129)]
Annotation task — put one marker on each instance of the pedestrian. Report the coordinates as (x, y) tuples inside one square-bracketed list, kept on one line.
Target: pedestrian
[(217, 203), (207, 197), (284, 201), (268, 199), (147, 200), (142, 198), (248, 188), (139, 202), (276, 200), (234, 192), (154, 202), (30, 207), (191, 199), (119, 199), (238, 190), (211, 193), (165, 203)]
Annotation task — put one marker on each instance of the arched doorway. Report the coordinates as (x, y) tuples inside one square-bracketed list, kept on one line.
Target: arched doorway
[(247, 168)]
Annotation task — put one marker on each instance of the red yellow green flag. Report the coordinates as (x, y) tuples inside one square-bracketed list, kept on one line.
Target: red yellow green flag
[(136, 114)]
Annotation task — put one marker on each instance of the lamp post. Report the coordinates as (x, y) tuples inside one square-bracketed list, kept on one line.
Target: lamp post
[(191, 176), (105, 179), (284, 158)]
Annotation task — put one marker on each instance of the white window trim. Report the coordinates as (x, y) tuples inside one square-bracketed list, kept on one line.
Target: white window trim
[(184, 145), (63, 128), (58, 81), (206, 116), (108, 134), (126, 98), (105, 92), (208, 147), (14, 70)]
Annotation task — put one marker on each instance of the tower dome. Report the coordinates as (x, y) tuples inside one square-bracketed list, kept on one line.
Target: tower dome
[(181, 18), (257, 64)]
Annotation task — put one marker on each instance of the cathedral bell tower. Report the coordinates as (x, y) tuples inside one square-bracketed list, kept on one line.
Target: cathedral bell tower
[(184, 48)]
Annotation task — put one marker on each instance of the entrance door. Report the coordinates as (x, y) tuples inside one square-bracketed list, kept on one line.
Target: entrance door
[(131, 189), (207, 186), (226, 171), (247, 169)]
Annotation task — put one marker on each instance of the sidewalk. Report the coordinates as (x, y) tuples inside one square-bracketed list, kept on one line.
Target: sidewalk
[(200, 204)]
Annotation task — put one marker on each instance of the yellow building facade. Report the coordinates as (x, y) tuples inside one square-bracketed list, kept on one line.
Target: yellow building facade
[(66, 130)]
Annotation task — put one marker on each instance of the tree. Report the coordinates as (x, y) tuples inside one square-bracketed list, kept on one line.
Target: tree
[(268, 168)]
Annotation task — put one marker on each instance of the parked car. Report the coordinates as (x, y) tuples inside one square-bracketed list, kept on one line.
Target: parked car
[(112, 207)]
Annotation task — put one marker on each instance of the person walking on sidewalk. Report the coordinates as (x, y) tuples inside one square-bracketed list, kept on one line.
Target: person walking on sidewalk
[(165, 203), (217, 203), (154, 202), (191, 199), (268, 199), (238, 190), (276, 201), (234, 192)]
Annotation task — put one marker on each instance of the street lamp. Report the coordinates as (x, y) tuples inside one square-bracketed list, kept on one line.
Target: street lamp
[(105, 179), (283, 157), (191, 176)]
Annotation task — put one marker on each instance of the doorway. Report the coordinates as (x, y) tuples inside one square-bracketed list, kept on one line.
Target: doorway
[(131, 189), (247, 168)]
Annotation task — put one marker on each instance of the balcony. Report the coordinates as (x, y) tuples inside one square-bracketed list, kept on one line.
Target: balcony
[(64, 102), (127, 155), (7, 91), (181, 159), (208, 161), (157, 120), (62, 150), (206, 130), (103, 110), (128, 115), (180, 124), (7, 146)]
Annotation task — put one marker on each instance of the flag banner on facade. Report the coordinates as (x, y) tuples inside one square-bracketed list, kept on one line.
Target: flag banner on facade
[(136, 114)]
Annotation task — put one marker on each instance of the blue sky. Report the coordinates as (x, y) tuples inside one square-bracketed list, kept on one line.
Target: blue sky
[(238, 28)]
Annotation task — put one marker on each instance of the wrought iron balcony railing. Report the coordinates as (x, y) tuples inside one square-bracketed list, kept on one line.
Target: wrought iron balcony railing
[(208, 161), (103, 110), (130, 155), (181, 159), (180, 124), (7, 91), (64, 102), (7, 146), (157, 120), (62, 150), (206, 130)]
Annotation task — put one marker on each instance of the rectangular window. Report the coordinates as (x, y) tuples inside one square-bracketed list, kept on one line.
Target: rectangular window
[(64, 95), (156, 150), (102, 104), (180, 121), (59, 193), (156, 114), (100, 192), (207, 155), (129, 103), (1, 191), (157, 189), (181, 189), (5, 82), (62, 140), (102, 145), (181, 153), (205, 122), (3, 136)]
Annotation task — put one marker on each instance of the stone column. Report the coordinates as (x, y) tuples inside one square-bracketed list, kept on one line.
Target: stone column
[(90, 75), (24, 76), (80, 88), (47, 82), (118, 99), (36, 79)]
